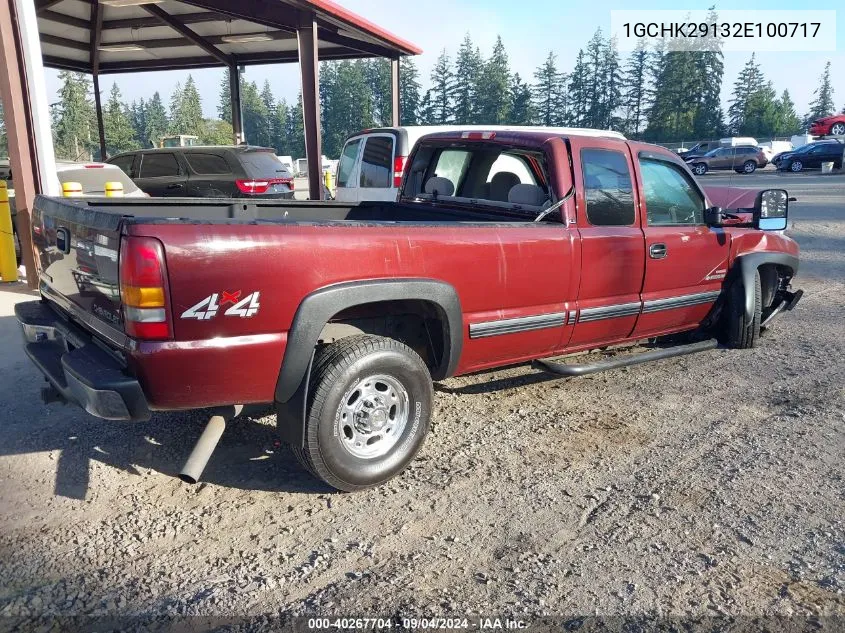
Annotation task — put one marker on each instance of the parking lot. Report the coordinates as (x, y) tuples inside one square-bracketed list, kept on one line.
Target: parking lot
[(699, 486)]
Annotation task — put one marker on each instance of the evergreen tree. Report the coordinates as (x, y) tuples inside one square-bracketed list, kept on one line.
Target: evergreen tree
[(594, 58), (409, 92), (610, 97), (636, 97), (425, 113), (442, 93), (268, 102), (549, 93), (117, 125), (348, 103), (138, 119), (822, 105), (788, 122), (577, 92), (749, 82), (186, 109), (761, 116), (155, 121), (296, 130), (216, 132), (708, 119), (377, 75), (281, 115), (224, 106), (74, 120), (493, 95), (255, 115), (467, 74), (521, 108)]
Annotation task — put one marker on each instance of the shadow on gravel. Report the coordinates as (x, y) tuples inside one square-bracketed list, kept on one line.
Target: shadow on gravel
[(488, 386), (249, 456)]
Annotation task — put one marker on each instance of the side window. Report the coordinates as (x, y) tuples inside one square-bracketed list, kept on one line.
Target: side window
[(669, 194), (124, 163), (607, 188), (347, 162), (377, 162), (207, 164), (158, 165)]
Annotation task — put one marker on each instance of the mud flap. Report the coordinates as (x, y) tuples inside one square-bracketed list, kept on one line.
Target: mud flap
[(290, 415)]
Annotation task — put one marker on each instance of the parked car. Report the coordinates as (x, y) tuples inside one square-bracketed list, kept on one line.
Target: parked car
[(830, 125), (699, 149), (93, 178), (343, 313), (372, 161), (811, 156), (240, 171), (743, 160)]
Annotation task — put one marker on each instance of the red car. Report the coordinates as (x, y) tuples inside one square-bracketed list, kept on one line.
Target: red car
[(833, 125), (504, 247)]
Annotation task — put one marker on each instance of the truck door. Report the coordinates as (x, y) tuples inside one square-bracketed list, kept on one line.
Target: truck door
[(347, 172), (612, 243), (686, 260)]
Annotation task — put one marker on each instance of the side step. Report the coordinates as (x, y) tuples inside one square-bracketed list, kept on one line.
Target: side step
[(563, 369)]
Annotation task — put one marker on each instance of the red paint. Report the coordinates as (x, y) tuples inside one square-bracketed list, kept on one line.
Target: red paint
[(498, 271)]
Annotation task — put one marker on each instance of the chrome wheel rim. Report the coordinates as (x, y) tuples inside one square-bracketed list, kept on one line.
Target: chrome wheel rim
[(699, 170), (796, 166), (750, 167), (838, 129), (372, 416)]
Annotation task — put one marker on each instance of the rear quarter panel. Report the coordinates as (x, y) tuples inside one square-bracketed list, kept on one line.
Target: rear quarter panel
[(498, 271)]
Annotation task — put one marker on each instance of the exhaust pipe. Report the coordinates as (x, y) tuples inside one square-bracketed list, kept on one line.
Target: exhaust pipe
[(198, 459)]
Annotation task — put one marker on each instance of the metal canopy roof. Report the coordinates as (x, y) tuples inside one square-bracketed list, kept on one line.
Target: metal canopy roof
[(106, 37)]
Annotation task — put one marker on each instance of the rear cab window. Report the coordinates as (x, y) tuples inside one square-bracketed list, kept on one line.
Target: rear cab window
[(480, 174), (124, 163), (608, 189)]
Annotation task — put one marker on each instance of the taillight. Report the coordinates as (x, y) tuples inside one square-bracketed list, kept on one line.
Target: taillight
[(398, 169), (142, 288), (261, 186)]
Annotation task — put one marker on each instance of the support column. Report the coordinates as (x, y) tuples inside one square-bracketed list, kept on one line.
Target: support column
[(30, 142), (306, 37), (98, 107), (237, 111), (394, 87)]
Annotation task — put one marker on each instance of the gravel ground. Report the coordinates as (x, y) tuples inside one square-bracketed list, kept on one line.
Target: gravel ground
[(709, 485)]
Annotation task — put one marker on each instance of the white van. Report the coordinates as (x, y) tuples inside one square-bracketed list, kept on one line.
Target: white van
[(372, 161), (736, 141)]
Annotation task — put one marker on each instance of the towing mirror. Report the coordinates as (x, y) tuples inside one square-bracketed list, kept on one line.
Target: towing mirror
[(771, 210), (713, 216)]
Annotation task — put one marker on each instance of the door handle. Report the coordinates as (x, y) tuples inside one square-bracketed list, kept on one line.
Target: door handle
[(657, 251), (175, 185)]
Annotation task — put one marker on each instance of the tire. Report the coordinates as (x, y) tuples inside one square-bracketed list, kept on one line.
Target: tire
[(699, 169), (837, 129), (369, 410), (737, 331), (749, 167), (796, 166)]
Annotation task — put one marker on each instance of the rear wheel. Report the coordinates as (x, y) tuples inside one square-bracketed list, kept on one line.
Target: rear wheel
[(749, 167), (837, 129), (699, 169), (737, 330), (368, 411), (796, 166)]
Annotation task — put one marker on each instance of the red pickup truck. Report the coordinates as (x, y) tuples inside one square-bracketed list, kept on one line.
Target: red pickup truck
[(503, 248)]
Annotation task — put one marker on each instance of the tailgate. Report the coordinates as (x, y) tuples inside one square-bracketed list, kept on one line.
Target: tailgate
[(77, 252)]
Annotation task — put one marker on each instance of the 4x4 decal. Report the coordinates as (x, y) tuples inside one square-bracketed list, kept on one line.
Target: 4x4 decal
[(209, 307)]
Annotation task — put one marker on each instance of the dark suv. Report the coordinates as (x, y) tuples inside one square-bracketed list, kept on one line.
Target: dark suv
[(208, 172), (743, 159), (811, 155)]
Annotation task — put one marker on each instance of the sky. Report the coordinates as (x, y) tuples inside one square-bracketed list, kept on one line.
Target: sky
[(529, 30)]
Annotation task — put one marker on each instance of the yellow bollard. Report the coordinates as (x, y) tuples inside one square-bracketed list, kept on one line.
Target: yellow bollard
[(114, 190), (72, 189), (8, 261), (328, 180)]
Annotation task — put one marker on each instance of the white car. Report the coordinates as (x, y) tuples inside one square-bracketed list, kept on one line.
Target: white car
[(372, 161)]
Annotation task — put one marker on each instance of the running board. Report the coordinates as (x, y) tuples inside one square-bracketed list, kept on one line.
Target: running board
[(563, 369)]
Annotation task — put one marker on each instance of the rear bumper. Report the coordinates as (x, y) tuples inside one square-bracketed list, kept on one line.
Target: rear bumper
[(81, 371)]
